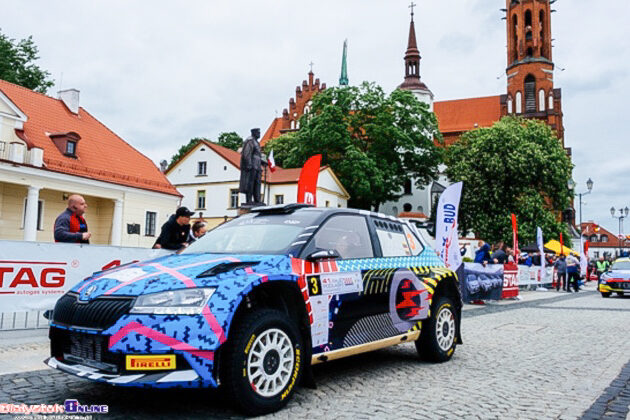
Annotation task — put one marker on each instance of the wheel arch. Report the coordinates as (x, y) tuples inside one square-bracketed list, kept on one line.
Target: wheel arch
[(448, 286)]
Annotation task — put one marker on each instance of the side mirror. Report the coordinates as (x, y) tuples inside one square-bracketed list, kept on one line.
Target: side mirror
[(323, 254)]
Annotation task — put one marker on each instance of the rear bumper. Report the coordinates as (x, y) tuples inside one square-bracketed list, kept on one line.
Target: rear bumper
[(177, 378)]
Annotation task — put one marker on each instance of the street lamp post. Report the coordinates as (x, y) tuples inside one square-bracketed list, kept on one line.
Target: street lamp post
[(623, 213), (589, 186)]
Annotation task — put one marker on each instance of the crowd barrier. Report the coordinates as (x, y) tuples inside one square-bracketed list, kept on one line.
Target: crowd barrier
[(34, 275), (478, 282)]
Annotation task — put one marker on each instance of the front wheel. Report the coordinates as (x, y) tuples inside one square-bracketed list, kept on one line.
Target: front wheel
[(263, 362), (437, 340), (619, 293), (606, 294)]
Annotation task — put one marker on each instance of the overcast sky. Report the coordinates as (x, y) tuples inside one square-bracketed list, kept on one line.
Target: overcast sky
[(161, 72)]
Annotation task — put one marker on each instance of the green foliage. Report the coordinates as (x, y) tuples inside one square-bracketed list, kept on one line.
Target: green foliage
[(372, 141), (517, 166), (17, 64), (231, 140), (184, 149)]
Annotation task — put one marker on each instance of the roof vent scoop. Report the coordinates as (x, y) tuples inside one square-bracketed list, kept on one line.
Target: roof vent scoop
[(70, 98)]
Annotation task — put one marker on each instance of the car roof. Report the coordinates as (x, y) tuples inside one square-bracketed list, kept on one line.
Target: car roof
[(325, 211), (624, 259)]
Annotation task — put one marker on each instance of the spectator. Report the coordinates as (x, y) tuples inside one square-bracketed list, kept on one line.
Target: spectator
[(573, 273), (602, 267), (561, 269), (510, 254), (70, 226), (175, 231), (197, 230), (483, 253), (499, 256)]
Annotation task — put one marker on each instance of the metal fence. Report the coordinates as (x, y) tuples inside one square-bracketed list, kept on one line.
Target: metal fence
[(10, 321)]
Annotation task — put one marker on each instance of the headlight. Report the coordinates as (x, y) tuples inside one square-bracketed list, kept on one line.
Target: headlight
[(176, 302)]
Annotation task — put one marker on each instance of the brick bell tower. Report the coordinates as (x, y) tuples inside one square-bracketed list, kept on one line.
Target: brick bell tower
[(530, 91)]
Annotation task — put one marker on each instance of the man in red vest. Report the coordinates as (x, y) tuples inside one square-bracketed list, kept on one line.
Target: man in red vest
[(70, 225)]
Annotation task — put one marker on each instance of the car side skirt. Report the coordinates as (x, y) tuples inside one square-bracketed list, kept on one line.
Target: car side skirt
[(363, 348)]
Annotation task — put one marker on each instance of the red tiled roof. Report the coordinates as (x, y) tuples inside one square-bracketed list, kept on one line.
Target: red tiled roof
[(410, 214), (462, 114), (102, 155), (588, 229), (272, 132)]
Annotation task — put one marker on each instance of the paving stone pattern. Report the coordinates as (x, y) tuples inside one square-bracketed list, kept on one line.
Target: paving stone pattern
[(563, 357)]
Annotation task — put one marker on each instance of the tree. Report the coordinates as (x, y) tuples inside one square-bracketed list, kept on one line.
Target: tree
[(516, 166), (17, 64), (184, 149), (374, 142), (230, 140)]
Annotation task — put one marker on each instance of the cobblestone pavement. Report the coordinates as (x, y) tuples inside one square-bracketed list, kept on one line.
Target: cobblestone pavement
[(565, 356)]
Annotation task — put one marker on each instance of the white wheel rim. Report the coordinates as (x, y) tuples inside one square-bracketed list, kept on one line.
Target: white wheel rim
[(270, 362), (445, 329)]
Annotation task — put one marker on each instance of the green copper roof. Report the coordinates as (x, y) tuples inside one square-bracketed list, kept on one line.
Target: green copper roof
[(343, 79)]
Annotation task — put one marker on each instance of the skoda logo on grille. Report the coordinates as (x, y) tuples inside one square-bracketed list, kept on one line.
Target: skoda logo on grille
[(89, 291)]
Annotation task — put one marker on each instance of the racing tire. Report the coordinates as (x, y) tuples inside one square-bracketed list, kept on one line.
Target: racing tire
[(438, 337), (263, 362), (606, 294), (620, 294)]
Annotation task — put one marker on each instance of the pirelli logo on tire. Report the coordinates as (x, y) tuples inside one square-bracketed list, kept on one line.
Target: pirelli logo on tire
[(161, 362)]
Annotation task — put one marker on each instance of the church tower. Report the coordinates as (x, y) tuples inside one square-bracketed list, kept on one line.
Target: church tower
[(412, 80), (530, 90)]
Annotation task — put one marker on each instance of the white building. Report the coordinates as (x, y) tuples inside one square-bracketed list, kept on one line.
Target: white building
[(52, 148), (208, 177)]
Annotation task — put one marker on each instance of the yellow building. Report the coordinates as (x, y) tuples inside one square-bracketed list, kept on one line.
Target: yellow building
[(51, 148)]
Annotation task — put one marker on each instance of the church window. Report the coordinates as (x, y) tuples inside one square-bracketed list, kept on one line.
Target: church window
[(519, 103), (297, 125), (530, 52), (528, 25), (550, 100), (541, 20), (306, 109), (292, 125), (530, 93), (510, 105), (407, 207), (541, 100), (515, 33), (407, 187)]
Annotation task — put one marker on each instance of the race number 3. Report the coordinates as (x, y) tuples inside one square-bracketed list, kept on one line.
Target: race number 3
[(314, 285)]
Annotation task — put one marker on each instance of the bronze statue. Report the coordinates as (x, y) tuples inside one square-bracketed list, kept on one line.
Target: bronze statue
[(251, 168)]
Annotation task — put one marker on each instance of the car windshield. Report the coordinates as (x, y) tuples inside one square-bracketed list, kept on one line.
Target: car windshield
[(621, 265), (255, 233)]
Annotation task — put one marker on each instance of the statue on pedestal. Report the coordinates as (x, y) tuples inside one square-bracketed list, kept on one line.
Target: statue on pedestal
[(251, 169)]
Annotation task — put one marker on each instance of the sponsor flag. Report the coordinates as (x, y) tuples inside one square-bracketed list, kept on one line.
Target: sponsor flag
[(583, 257), (271, 161), (515, 235), (307, 185), (446, 237), (561, 245)]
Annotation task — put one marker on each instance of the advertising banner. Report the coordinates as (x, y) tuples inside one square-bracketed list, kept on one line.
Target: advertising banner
[(480, 283), (34, 275), (446, 237), (510, 281)]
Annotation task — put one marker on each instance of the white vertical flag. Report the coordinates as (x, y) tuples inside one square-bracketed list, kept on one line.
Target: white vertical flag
[(541, 248), (583, 258), (446, 237)]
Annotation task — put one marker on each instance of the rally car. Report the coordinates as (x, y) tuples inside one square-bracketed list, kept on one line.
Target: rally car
[(616, 279), (257, 301)]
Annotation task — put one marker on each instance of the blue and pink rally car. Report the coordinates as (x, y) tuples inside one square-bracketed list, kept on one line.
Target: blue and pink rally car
[(256, 302)]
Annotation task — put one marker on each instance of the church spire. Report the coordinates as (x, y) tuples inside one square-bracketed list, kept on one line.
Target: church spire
[(412, 59), (343, 78)]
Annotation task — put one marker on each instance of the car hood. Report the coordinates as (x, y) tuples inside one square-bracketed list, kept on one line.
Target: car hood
[(174, 272)]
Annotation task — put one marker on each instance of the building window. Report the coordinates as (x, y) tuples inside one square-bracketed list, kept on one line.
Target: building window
[(149, 223), (201, 199), (530, 93), (604, 238), (519, 102), (510, 105), (327, 203), (40, 210), (596, 254), (541, 100), (593, 238), (3, 146), (71, 148), (279, 198), (233, 199), (407, 187), (201, 168), (550, 100)]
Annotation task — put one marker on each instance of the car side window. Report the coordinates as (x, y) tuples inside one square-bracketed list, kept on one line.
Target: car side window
[(347, 234), (393, 239), (415, 246)]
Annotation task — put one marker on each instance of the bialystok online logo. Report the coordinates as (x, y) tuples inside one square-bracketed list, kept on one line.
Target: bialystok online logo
[(69, 406)]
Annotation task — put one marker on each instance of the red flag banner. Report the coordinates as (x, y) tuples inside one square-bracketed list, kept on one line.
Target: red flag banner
[(514, 234), (586, 245), (307, 185), (561, 245)]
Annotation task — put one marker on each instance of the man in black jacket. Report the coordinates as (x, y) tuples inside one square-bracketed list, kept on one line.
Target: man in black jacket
[(174, 234)]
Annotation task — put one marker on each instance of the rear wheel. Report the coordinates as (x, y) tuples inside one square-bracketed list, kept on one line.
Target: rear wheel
[(437, 340), (263, 362), (619, 293), (606, 294)]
